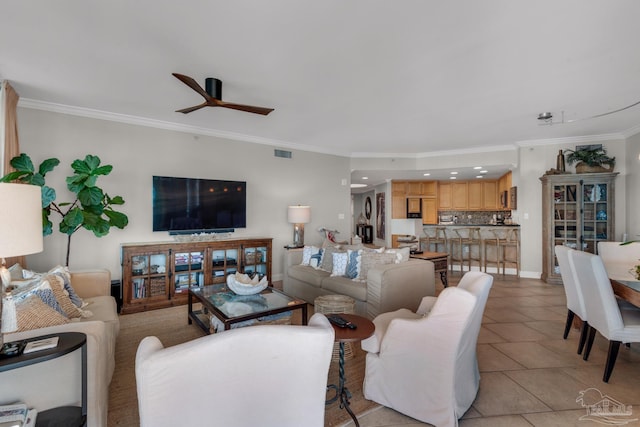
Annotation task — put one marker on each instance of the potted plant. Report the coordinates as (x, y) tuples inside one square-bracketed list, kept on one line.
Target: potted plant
[(92, 208), (591, 159)]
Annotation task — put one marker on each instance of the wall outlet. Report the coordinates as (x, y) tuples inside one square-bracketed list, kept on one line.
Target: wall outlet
[(341, 216)]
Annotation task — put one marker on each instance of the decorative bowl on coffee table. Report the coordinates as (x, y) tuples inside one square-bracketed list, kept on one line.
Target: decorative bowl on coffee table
[(242, 284)]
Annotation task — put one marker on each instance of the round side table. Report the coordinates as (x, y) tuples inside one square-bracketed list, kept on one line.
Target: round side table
[(332, 304)]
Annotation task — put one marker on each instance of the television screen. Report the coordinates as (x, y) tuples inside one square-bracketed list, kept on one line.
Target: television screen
[(193, 205)]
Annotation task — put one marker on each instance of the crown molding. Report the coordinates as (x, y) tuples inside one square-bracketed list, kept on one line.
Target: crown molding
[(571, 140), (177, 127)]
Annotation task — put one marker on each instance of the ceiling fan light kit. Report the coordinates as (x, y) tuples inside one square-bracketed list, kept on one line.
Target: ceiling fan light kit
[(213, 97)]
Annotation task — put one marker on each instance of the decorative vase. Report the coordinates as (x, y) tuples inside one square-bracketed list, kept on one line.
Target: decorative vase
[(560, 166)]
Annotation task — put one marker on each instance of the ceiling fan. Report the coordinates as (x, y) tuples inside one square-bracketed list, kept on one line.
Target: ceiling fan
[(213, 96)]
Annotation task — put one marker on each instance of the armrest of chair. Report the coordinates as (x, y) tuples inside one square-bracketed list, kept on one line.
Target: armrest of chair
[(394, 286), (426, 305)]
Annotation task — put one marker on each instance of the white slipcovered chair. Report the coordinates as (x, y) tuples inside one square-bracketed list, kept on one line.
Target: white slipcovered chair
[(575, 301), (424, 364), (272, 375), (604, 314)]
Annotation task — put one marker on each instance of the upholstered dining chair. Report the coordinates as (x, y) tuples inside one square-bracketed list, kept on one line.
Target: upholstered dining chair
[(230, 378), (575, 301), (425, 365), (604, 314)]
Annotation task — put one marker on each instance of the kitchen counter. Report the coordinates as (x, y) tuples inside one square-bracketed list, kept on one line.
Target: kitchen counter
[(471, 225)]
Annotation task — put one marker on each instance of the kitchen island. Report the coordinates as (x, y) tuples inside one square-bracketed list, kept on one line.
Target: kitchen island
[(484, 252)]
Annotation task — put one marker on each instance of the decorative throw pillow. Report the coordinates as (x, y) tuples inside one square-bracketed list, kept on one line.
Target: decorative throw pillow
[(339, 263), (62, 296), (402, 254), (32, 313), (353, 264), (307, 253), (41, 288), (326, 263), (371, 259), (64, 273)]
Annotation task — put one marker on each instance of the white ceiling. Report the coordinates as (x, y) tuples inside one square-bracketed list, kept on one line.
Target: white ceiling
[(355, 78)]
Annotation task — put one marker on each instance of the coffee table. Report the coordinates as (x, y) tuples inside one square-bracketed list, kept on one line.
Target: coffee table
[(230, 308), (440, 263)]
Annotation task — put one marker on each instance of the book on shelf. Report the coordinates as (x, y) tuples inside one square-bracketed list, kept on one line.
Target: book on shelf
[(17, 415)]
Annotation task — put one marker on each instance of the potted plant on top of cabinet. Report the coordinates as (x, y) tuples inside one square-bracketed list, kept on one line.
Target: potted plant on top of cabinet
[(590, 159)]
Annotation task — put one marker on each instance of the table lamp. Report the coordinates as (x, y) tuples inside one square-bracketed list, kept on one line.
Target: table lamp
[(298, 216), (20, 234)]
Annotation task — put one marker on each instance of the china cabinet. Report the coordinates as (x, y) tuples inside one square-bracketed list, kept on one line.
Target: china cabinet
[(578, 212)]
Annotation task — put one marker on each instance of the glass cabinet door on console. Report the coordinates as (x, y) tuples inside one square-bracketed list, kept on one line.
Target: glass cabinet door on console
[(578, 212), (223, 262), (188, 270), (147, 279), (255, 260)]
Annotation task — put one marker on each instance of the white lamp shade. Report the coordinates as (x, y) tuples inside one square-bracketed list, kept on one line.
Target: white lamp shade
[(20, 220), (299, 214)]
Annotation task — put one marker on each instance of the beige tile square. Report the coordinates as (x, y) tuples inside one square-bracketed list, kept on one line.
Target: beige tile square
[(555, 388), (490, 360), (534, 355), (551, 328), (486, 336), (500, 395), (563, 419), (500, 421), (515, 332), (541, 313), (499, 314)]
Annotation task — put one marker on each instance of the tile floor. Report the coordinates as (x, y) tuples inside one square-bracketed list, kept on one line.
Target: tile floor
[(530, 376)]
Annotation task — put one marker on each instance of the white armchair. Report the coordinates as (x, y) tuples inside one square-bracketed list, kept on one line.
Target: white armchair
[(425, 366), (231, 378)]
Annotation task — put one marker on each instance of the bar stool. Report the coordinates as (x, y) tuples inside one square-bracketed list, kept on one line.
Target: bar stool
[(438, 238), (466, 241), (498, 236), (511, 250)]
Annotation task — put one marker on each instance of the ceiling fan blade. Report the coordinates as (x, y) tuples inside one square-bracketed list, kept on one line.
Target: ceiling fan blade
[(192, 84), (247, 108), (194, 108)]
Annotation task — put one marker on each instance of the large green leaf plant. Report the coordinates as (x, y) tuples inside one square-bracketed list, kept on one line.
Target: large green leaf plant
[(92, 208)]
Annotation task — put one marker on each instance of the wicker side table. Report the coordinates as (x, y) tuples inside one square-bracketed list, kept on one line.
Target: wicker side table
[(328, 304)]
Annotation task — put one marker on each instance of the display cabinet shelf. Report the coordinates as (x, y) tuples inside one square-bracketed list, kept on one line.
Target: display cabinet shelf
[(159, 274)]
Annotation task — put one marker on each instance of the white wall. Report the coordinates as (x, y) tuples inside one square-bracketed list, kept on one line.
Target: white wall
[(633, 187), (137, 153)]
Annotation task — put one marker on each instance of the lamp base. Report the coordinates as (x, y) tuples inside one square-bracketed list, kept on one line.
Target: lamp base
[(298, 235)]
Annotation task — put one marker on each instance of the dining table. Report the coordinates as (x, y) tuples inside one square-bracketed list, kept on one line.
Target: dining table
[(628, 290)]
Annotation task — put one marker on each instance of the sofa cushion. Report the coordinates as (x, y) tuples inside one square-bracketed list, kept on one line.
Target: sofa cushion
[(346, 286), (353, 263), (307, 274)]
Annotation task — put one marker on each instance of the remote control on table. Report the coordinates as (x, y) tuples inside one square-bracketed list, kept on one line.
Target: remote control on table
[(340, 321)]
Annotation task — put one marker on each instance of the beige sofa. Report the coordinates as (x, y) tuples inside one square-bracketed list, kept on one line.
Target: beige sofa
[(57, 382), (388, 287)]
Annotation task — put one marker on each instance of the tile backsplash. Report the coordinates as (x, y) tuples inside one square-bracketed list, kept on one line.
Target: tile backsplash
[(474, 217)]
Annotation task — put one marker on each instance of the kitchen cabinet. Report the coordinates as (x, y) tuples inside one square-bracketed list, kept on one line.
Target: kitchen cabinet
[(429, 211), (398, 199), (430, 189), (459, 194), (475, 195), (414, 188), (489, 195), (444, 196)]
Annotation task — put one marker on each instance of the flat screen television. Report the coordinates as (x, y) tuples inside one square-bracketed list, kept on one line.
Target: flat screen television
[(190, 205)]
